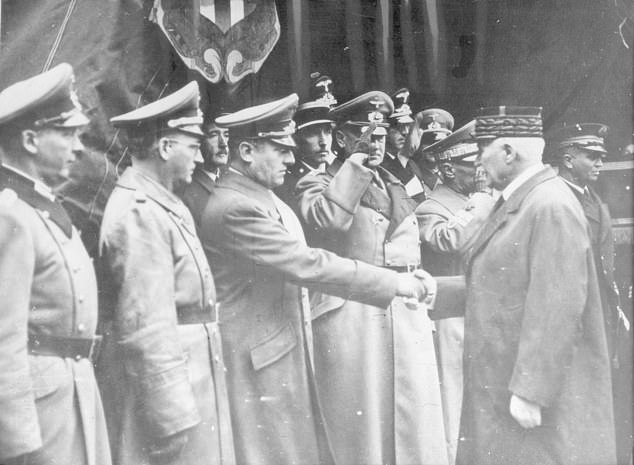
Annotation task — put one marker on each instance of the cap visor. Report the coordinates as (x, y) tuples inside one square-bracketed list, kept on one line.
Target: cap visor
[(286, 141), (75, 121)]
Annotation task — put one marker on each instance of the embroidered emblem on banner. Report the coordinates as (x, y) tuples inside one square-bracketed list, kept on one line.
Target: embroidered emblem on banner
[(221, 39)]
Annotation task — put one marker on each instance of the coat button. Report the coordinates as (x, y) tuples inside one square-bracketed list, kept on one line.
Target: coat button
[(81, 327), (80, 298)]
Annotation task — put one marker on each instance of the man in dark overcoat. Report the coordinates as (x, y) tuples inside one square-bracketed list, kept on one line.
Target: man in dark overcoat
[(262, 267), (578, 152), (51, 410), (536, 367), (215, 154)]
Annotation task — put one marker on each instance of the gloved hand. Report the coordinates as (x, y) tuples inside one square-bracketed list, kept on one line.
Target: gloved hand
[(167, 450), (361, 148), (526, 413)]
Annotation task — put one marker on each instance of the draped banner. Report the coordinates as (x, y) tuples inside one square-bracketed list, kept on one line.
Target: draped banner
[(221, 39)]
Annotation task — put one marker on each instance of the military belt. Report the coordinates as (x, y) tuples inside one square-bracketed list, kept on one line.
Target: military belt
[(193, 316), (64, 346), (404, 268)]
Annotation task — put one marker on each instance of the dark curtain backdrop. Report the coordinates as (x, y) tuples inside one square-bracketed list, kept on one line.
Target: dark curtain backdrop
[(573, 57)]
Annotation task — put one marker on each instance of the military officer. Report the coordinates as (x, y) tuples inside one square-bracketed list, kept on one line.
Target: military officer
[(430, 126), (313, 137), (375, 364), (261, 262), (51, 407), (578, 151), (397, 153), (215, 155), (536, 369), (169, 404), (448, 221)]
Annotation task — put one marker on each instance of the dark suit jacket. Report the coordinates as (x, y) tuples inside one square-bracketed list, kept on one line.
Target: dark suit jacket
[(598, 217), (534, 327), (196, 194)]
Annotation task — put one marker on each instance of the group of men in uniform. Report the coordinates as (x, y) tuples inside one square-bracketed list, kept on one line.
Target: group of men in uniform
[(264, 300)]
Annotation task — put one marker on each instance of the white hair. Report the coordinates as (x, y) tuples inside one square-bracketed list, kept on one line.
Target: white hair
[(529, 148)]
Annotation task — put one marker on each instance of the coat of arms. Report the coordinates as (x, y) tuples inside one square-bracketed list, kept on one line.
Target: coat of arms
[(222, 39)]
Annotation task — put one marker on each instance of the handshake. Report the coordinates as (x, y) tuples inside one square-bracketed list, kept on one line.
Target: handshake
[(416, 287)]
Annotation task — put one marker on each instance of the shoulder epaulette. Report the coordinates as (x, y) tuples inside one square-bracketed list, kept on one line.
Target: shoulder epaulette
[(140, 196)]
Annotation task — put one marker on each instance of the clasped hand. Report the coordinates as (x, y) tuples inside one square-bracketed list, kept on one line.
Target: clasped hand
[(416, 287)]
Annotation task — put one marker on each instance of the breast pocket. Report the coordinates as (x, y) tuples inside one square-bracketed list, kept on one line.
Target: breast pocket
[(273, 347)]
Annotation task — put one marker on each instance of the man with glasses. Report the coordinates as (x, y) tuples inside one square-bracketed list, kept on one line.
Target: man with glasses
[(163, 368)]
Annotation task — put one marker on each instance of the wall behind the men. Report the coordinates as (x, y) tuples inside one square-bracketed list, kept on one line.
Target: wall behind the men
[(573, 57)]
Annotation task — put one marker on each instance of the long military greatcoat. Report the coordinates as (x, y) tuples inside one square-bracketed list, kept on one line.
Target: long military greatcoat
[(534, 327), (446, 229), (259, 267), (619, 339), (50, 405), (375, 365), (162, 368)]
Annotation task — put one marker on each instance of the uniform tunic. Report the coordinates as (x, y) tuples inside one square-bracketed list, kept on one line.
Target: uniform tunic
[(376, 366), (445, 230), (534, 328), (50, 404), (261, 269), (163, 337), (619, 339)]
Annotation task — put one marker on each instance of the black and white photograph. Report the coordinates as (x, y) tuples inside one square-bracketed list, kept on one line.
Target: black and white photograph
[(316, 232)]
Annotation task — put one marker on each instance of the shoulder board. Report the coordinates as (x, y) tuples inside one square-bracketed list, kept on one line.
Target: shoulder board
[(140, 196), (8, 197)]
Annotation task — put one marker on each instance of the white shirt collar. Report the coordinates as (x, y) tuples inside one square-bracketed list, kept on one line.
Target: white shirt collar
[(521, 179), (581, 190), (211, 174)]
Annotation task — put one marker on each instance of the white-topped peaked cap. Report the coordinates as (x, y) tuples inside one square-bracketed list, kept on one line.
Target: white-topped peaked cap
[(371, 107), (459, 145), (45, 100), (178, 111), (272, 121)]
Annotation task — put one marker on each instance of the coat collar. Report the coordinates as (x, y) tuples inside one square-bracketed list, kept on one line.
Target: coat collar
[(499, 217), (135, 180), (247, 186), (26, 190), (202, 179), (395, 206)]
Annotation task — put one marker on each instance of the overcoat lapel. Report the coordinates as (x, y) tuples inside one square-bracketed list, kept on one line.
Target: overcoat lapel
[(203, 180), (499, 217)]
